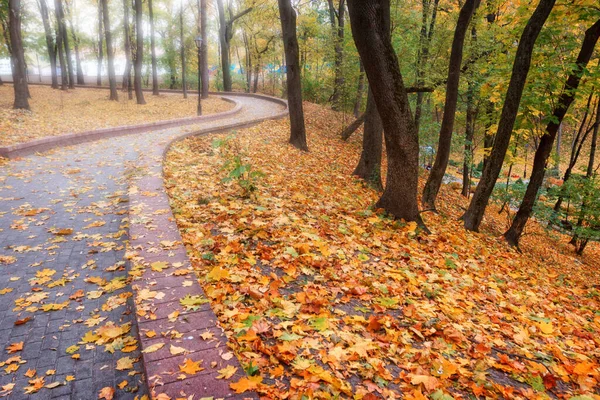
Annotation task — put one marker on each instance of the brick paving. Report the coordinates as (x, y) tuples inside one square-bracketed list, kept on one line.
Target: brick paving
[(97, 189)]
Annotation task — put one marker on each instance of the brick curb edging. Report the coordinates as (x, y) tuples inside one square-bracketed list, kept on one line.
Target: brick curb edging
[(154, 237), (51, 142)]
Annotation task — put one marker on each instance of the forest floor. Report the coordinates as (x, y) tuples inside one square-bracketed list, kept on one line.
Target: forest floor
[(55, 112), (323, 296)]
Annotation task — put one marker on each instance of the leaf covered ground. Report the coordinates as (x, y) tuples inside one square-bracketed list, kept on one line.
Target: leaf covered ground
[(324, 297), (55, 112)]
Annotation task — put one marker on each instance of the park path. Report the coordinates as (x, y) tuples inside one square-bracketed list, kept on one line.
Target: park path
[(68, 325)]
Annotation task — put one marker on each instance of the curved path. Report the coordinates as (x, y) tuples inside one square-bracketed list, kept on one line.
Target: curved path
[(81, 230)]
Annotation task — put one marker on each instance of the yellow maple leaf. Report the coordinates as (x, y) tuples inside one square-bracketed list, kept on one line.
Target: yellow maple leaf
[(190, 367), (227, 372), (246, 383), (218, 273)]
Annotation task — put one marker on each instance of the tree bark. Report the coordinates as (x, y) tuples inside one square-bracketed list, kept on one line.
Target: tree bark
[(155, 91), (64, 79), (472, 218), (100, 45), (79, 69), (62, 27), (427, 28), (591, 162), (436, 175), (139, 54), (204, 50), (369, 165), (127, 45), (359, 90), (547, 141), (18, 56), (338, 34), (110, 55), (469, 135), (294, 85), (49, 42), (182, 54), (370, 21), (225, 36), (576, 147), (350, 129)]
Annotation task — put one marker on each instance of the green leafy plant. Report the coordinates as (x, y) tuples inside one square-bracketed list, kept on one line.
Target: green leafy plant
[(238, 169)]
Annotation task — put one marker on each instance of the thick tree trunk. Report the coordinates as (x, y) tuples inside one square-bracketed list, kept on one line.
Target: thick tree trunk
[(62, 27), (359, 90), (155, 91), (79, 69), (472, 218), (469, 135), (100, 45), (547, 141), (436, 175), (49, 42), (204, 50), (256, 71), (370, 21), (338, 34), (294, 84), (369, 165), (127, 45), (18, 56), (182, 55), (139, 53), (110, 55)]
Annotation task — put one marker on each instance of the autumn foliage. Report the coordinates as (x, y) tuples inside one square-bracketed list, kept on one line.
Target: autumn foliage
[(323, 296)]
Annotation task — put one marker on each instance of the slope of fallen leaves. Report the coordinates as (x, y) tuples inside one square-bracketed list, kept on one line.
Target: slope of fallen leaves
[(324, 297), (56, 112)]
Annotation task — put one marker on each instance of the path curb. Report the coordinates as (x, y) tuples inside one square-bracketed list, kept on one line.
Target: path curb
[(152, 224), (51, 142)]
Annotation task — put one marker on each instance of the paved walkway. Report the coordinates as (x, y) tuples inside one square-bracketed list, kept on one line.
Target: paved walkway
[(68, 325)]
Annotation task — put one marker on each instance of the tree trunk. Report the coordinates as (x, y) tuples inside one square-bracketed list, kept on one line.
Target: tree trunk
[(79, 70), (49, 41), (469, 135), (64, 80), (338, 33), (248, 60), (370, 21), (590, 167), (204, 49), (110, 55), (155, 91), (547, 141), (369, 165), (256, 71), (127, 45), (224, 41), (427, 28), (472, 218), (350, 129), (576, 147), (100, 45), (18, 56), (436, 175), (182, 54), (294, 84), (139, 53), (62, 27), (360, 89)]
